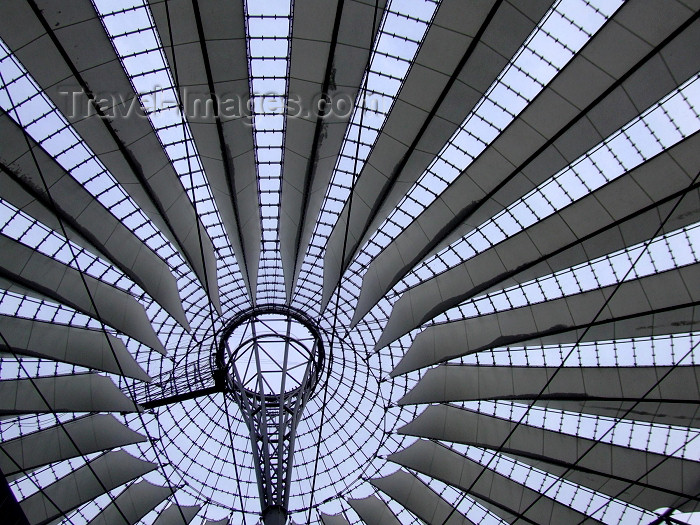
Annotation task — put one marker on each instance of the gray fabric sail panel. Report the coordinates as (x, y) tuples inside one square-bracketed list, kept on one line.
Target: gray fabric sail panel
[(128, 147), (133, 503), (224, 29), (352, 52), (312, 36), (33, 273), (418, 498), (382, 182), (177, 515), (105, 473), (557, 110), (554, 243), (646, 303), (217, 55), (79, 211), (90, 434), (601, 483), (445, 42), (625, 99), (373, 511), (505, 33), (471, 383), (659, 412), (21, 30), (68, 393), (69, 344), (333, 519), (646, 479), (503, 493)]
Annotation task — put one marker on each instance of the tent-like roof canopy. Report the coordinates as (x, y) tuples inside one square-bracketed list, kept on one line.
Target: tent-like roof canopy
[(489, 211)]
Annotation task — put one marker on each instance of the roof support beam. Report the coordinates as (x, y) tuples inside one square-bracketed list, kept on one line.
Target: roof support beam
[(9, 508)]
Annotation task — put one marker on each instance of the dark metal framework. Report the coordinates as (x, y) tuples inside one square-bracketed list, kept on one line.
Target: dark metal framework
[(493, 261), (271, 373)]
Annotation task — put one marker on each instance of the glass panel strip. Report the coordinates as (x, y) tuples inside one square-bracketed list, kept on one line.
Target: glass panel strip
[(136, 42), (561, 33), (268, 30), (401, 32)]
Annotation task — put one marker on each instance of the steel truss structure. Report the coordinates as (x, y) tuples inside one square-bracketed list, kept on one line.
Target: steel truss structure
[(349, 261), (272, 396)]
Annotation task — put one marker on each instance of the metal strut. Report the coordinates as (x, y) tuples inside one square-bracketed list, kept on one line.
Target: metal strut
[(271, 387)]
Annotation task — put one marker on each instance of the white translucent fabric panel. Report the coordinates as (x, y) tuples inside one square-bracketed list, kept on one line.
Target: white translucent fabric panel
[(137, 44), (28, 270), (663, 125), (515, 499), (134, 261), (419, 498), (636, 476), (133, 34), (337, 519), (24, 102), (673, 250), (132, 504), (401, 31), (561, 33), (481, 180), (594, 226), (373, 511), (636, 308)]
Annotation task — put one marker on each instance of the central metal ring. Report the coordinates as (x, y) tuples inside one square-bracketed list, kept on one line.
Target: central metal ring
[(272, 351), (271, 358)]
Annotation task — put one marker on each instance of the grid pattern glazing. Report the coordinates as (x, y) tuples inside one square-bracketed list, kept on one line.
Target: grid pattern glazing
[(398, 40), (370, 405)]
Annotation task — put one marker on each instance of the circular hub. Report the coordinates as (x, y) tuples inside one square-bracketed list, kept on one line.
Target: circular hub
[(272, 351)]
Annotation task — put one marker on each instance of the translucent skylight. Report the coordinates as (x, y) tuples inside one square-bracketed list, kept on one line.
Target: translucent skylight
[(401, 32), (268, 26), (666, 123), (409, 418), (561, 33)]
